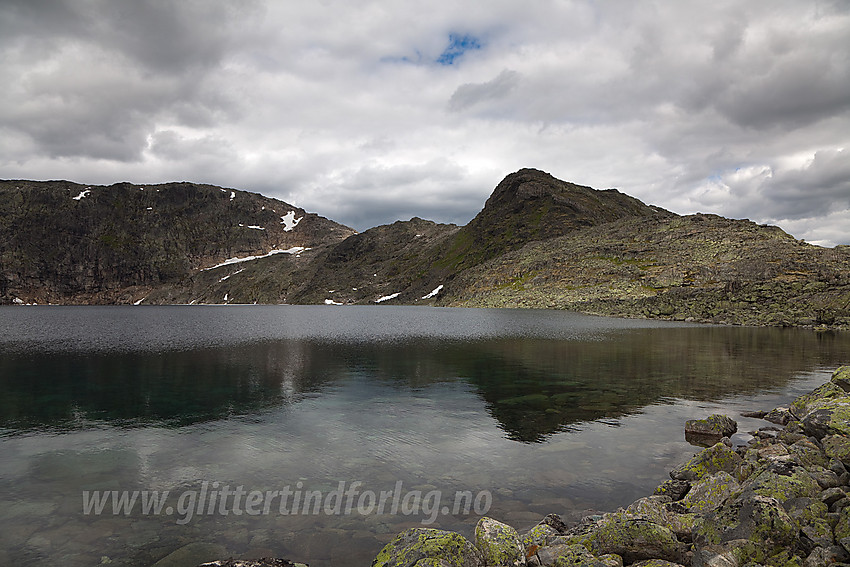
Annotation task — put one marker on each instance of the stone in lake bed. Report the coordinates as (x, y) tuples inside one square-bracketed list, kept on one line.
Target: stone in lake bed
[(714, 425)]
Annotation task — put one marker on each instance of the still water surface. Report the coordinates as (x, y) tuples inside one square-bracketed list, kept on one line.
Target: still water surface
[(533, 411)]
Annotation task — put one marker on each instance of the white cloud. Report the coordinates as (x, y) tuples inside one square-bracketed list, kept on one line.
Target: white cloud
[(371, 112)]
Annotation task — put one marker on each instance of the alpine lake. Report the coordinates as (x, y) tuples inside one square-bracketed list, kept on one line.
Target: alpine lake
[(369, 419)]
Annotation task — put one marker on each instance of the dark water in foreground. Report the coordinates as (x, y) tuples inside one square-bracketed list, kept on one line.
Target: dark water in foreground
[(437, 413)]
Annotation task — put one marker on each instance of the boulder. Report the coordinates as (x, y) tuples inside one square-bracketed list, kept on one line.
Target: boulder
[(712, 460), (753, 527), (782, 481), (499, 544), (438, 547), (675, 489), (564, 555), (540, 536), (658, 509), (808, 454), (633, 539), (837, 447), (828, 417), (714, 425), (841, 378), (710, 492), (779, 416)]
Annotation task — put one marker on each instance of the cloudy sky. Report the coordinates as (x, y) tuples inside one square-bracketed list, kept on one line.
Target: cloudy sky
[(370, 112)]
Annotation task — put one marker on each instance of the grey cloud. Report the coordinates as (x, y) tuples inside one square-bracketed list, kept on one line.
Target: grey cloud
[(823, 186), (371, 195), (92, 78), (470, 94)]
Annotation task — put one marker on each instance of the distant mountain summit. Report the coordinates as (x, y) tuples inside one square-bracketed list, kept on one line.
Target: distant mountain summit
[(537, 242), (532, 205)]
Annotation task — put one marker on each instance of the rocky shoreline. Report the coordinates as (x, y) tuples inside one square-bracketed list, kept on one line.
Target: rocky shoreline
[(777, 498)]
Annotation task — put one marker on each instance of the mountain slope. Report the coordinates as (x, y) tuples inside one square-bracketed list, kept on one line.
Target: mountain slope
[(531, 205), (63, 242), (537, 242), (697, 267)]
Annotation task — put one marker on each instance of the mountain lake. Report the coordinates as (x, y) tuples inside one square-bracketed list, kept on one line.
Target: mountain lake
[(317, 433)]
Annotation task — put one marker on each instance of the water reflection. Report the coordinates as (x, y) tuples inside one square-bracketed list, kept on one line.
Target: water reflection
[(532, 387)]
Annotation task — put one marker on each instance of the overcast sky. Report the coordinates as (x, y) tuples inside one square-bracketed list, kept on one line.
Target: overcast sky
[(370, 112)]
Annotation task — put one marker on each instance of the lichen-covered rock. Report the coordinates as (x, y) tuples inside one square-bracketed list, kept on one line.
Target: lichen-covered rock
[(540, 535), (656, 563), (714, 556), (808, 454), (710, 492), (783, 481), (555, 522), (611, 560), (714, 425), (829, 555), (499, 544), (675, 489), (779, 416), (828, 417), (564, 555), (837, 447), (805, 403), (415, 544), (712, 460), (841, 378), (634, 539), (757, 524), (842, 528), (656, 509)]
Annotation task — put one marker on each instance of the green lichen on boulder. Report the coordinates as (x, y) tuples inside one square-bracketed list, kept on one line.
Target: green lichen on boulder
[(709, 492), (439, 547), (540, 535), (566, 555), (837, 447), (828, 417), (841, 378), (801, 406), (611, 560), (842, 528), (714, 425), (757, 525), (657, 509), (783, 482), (499, 544), (808, 454), (712, 460), (634, 539)]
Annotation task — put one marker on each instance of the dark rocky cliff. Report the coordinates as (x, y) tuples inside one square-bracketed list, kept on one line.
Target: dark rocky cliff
[(63, 242)]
